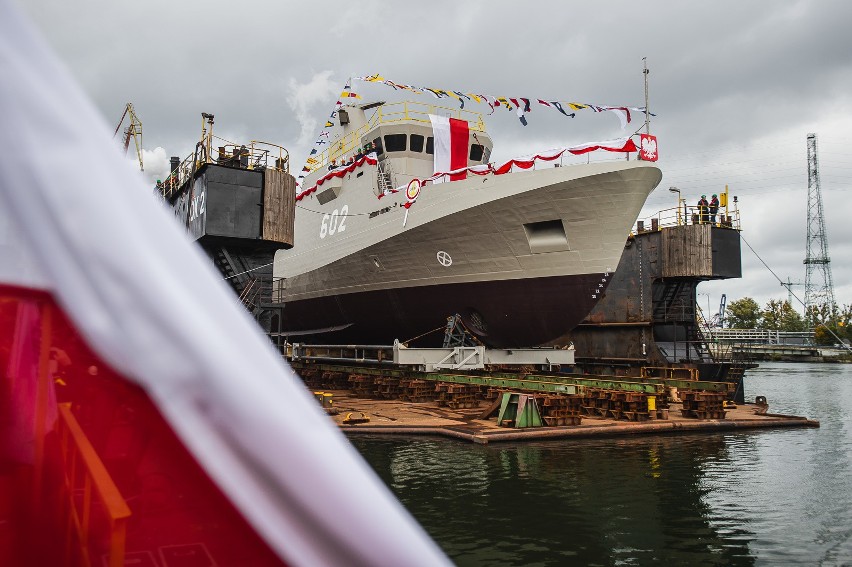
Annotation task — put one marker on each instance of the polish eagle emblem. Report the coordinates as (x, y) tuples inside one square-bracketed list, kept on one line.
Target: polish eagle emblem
[(648, 146)]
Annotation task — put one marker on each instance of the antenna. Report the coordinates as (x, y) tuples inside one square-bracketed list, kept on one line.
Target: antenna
[(789, 285), (819, 289)]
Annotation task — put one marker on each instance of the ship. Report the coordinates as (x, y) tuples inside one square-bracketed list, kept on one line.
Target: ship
[(522, 258)]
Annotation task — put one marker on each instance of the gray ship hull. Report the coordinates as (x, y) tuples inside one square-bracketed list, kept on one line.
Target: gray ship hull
[(522, 257)]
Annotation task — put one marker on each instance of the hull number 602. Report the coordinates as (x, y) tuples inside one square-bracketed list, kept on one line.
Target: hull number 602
[(334, 222)]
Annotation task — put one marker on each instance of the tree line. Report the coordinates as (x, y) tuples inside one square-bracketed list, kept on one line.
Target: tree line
[(826, 321)]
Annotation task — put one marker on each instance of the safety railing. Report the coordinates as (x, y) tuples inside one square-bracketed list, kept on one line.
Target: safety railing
[(684, 215), (669, 372), (87, 482), (391, 113), (761, 336), (256, 155), (419, 112)]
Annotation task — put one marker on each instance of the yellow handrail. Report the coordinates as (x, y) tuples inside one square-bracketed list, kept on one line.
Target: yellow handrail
[(667, 372), (78, 453), (684, 215), (253, 156), (389, 114)]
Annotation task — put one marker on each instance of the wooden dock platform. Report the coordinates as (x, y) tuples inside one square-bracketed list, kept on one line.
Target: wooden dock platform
[(427, 418)]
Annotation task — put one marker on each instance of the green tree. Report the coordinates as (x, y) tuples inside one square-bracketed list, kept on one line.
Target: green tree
[(833, 324), (779, 315), (844, 320), (823, 313), (743, 314)]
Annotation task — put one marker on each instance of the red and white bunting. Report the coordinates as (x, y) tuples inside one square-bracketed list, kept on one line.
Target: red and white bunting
[(622, 145), (340, 172)]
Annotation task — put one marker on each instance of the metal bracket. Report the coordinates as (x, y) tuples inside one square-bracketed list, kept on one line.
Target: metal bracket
[(477, 357)]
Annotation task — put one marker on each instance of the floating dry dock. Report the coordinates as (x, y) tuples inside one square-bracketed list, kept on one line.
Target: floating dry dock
[(498, 405), (406, 418)]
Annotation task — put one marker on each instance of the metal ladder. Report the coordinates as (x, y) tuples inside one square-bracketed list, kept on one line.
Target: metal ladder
[(385, 177)]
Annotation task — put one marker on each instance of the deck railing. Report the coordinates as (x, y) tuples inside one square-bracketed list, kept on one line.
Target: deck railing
[(389, 114), (256, 155), (683, 215), (87, 482)]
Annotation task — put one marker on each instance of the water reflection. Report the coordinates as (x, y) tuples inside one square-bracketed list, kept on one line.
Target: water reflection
[(608, 503), (745, 498)]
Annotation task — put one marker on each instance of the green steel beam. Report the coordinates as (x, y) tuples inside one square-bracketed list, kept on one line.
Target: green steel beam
[(668, 382), (602, 383), (510, 382), (538, 383), (633, 383), (535, 385)]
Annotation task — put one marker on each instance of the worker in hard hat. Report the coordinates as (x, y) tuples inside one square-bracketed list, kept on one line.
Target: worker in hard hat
[(703, 210), (714, 208)]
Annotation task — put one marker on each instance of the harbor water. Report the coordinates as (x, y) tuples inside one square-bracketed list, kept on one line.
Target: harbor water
[(766, 497)]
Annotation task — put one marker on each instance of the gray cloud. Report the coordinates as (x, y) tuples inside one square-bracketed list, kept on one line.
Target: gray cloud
[(736, 87)]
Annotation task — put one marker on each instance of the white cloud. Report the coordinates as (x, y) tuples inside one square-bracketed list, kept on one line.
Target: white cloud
[(155, 161), (309, 101)]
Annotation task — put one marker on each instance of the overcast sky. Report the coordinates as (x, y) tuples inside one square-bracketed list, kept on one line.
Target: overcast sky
[(736, 87)]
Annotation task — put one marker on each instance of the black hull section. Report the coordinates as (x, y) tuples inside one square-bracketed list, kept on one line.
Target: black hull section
[(505, 313)]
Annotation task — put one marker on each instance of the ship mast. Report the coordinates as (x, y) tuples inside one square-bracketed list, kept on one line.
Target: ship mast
[(647, 110)]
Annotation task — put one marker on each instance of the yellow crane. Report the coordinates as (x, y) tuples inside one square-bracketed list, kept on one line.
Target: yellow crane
[(133, 130)]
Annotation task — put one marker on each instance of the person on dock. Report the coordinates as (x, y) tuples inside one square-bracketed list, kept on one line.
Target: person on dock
[(703, 209), (714, 208)]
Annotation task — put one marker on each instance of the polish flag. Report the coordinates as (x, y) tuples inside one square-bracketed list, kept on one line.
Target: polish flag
[(122, 350), (451, 137)]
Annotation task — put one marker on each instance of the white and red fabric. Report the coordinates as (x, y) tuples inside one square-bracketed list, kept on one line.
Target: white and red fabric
[(622, 145), (451, 137), (79, 226), (623, 114)]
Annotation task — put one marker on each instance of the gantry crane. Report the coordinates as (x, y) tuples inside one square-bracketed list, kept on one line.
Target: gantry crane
[(133, 130)]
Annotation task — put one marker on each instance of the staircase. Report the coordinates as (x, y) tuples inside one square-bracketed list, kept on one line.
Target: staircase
[(674, 304), (231, 269), (385, 177)]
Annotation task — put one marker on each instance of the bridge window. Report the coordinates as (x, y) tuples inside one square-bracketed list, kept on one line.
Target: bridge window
[(395, 142), (430, 145), (416, 143), (476, 152)]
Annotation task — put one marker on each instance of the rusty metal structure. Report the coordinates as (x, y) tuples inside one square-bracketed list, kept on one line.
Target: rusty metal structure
[(648, 323), (237, 201)]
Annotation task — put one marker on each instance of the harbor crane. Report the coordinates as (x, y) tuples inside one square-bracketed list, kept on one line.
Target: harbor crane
[(133, 130)]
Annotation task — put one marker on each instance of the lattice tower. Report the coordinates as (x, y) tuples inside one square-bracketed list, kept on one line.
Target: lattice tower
[(819, 289)]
